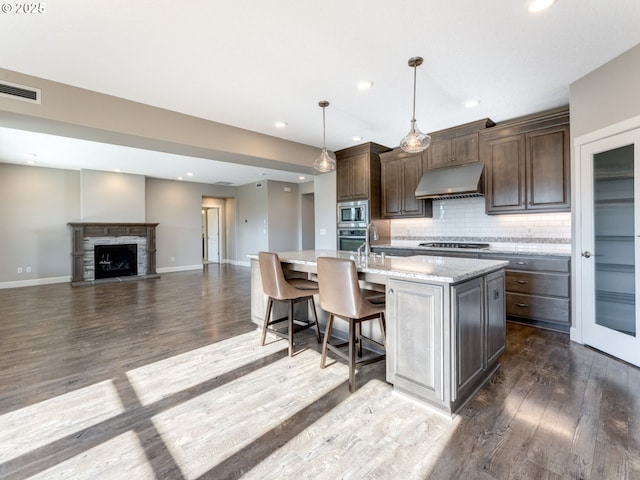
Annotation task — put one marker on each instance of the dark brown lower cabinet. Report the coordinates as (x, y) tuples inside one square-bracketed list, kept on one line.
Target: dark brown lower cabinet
[(538, 287)]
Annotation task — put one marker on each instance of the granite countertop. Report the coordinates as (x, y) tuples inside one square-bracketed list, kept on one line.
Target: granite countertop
[(420, 267), (513, 249)]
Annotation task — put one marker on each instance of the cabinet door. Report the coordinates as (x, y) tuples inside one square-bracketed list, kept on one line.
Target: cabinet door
[(468, 341), (505, 162), (401, 173), (415, 339), (391, 187), (344, 172), (496, 316), (412, 172), (360, 176), (465, 149), (547, 167), (439, 153)]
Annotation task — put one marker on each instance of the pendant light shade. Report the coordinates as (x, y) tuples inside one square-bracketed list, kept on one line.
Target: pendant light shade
[(415, 141), (325, 162)]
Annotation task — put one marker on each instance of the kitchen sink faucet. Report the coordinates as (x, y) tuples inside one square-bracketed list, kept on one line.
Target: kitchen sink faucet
[(367, 245)]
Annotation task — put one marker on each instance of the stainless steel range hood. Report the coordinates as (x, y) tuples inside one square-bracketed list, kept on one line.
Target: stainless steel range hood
[(452, 182)]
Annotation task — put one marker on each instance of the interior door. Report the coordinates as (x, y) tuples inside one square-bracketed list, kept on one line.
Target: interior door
[(609, 248), (213, 235)]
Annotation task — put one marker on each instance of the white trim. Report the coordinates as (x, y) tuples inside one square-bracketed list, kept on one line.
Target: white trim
[(183, 268), (35, 282)]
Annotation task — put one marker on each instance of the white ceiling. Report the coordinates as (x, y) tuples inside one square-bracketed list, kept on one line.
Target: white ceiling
[(248, 63)]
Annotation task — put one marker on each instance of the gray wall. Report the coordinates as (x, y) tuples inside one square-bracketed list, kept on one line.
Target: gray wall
[(111, 197), (283, 216), (607, 95), (325, 211), (35, 206), (177, 207), (251, 220)]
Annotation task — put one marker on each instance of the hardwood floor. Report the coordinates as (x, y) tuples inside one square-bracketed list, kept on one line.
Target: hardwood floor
[(166, 379)]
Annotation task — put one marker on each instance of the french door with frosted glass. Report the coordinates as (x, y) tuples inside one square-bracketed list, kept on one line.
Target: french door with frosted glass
[(608, 281)]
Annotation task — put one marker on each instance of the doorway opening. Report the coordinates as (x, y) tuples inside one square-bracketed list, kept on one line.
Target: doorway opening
[(211, 235)]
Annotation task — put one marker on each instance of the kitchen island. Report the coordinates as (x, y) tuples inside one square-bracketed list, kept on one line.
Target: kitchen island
[(445, 319)]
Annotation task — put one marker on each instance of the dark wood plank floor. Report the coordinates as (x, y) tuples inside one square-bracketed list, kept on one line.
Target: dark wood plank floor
[(165, 379)]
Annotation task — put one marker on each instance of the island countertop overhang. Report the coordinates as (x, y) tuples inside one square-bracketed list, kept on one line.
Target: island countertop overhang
[(450, 270)]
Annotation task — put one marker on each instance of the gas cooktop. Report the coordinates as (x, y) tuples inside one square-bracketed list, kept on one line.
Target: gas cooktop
[(454, 245)]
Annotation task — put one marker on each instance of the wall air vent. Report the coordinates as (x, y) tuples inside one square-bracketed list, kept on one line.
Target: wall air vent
[(259, 185), (19, 92)]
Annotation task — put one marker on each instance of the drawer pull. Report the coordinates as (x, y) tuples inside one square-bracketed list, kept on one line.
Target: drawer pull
[(521, 282), (521, 263), (523, 305)]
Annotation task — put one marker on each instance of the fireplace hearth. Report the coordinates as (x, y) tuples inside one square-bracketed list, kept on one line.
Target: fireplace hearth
[(115, 260)]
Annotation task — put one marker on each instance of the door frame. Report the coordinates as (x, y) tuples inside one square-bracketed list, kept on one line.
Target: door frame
[(582, 307)]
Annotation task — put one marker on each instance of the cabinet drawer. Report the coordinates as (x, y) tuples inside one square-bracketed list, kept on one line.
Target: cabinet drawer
[(556, 284), (519, 262), (538, 308)]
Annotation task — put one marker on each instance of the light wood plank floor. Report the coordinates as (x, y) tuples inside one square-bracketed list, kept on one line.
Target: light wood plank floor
[(165, 379)]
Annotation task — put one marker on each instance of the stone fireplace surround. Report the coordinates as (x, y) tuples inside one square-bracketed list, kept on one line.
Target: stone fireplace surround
[(84, 236)]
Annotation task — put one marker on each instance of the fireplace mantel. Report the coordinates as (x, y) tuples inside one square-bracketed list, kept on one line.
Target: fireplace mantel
[(83, 233)]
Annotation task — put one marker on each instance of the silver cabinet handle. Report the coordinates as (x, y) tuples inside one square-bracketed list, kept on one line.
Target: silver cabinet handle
[(521, 305), (586, 254), (521, 263), (390, 291), (521, 282)]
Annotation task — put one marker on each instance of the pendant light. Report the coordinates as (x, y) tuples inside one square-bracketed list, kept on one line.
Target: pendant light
[(415, 141), (325, 162)]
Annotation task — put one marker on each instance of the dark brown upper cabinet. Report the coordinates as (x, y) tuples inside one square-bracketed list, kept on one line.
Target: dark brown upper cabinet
[(358, 175), (527, 163), (401, 173), (455, 146)]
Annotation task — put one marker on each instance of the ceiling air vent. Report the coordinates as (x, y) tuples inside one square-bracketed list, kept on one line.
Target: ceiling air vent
[(19, 92), (223, 184)]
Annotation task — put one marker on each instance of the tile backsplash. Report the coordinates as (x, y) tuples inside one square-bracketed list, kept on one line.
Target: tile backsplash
[(464, 219)]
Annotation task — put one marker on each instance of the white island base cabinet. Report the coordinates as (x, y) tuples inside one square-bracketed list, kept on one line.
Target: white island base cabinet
[(444, 341)]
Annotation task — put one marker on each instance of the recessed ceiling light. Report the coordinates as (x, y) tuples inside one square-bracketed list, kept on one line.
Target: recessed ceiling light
[(357, 138), (262, 174), (31, 155), (539, 5), (180, 178), (471, 103), (118, 170), (365, 84), (280, 124), (189, 174), (31, 162), (302, 178)]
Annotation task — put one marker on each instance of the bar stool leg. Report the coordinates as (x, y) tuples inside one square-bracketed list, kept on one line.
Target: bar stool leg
[(352, 355), (290, 328), (315, 316), (383, 329), (325, 342), (267, 317)]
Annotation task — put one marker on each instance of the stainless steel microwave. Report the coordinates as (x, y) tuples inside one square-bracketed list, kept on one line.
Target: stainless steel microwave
[(353, 214)]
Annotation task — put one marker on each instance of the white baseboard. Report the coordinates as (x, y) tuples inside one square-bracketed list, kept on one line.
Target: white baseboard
[(182, 268), (34, 282)]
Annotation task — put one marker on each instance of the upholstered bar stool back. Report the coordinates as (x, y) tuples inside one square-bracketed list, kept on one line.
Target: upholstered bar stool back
[(290, 291), (342, 297)]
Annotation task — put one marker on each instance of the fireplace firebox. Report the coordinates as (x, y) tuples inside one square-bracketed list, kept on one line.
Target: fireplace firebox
[(115, 260)]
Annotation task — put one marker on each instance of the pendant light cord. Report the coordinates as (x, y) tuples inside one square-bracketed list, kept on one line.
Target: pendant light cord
[(415, 69)]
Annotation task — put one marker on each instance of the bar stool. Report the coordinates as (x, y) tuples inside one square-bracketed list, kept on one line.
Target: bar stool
[(290, 291), (342, 297)]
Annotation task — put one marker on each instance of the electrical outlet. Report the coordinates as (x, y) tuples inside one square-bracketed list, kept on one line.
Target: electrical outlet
[(28, 269), (19, 269)]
